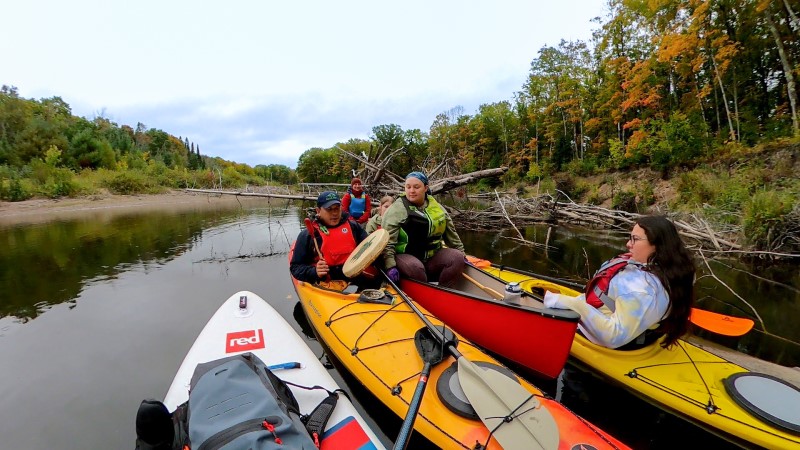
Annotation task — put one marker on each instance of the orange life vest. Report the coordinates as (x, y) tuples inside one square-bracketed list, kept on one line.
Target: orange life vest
[(337, 243)]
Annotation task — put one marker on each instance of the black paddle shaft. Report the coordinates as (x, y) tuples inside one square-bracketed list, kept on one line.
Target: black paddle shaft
[(446, 337), (431, 352)]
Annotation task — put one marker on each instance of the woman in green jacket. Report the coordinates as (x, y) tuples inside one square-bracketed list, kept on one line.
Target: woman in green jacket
[(418, 226)]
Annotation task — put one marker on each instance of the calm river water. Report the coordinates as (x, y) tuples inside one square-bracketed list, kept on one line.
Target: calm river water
[(97, 313)]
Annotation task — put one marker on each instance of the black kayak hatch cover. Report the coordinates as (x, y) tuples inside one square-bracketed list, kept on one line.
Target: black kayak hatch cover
[(452, 395), (771, 399)]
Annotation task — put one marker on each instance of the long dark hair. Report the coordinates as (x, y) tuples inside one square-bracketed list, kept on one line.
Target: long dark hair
[(673, 265)]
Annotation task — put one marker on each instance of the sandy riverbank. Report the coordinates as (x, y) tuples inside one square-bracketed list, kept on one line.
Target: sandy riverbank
[(43, 210)]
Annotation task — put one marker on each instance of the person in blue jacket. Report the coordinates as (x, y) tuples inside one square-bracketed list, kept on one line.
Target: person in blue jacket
[(357, 203)]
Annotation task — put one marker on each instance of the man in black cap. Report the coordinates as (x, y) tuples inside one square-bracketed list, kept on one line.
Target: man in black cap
[(336, 236)]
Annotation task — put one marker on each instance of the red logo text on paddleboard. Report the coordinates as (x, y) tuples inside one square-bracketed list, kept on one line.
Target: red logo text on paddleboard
[(241, 341)]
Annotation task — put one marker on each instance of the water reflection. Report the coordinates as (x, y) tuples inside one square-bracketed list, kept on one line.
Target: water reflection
[(48, 264), (620, 413), (127, 293), (51, 263)]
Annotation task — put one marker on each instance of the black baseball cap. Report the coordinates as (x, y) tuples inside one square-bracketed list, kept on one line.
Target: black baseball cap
[(328, 199)]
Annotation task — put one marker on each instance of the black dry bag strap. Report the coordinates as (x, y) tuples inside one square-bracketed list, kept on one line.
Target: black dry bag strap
[(316, 421)]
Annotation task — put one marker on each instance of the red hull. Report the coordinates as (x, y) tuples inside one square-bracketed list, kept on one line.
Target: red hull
[(526, 332)]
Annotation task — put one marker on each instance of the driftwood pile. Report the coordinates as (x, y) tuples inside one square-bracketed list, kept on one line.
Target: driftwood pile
[(487, 211), (382, 181), (510, 210)]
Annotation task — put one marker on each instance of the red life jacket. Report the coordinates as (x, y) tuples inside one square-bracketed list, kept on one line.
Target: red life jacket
[(337, 243), (597, 288)]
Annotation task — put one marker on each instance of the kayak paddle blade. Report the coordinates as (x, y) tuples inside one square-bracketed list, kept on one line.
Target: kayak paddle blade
[(720, 323), (495, 396), (430, 349)]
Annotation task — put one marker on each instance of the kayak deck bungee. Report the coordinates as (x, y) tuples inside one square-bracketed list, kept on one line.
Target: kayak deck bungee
[(258, 328), (685, 379), (373, 338), (508, 328)]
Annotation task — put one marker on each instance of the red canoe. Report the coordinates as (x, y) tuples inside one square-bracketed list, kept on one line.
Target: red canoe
[(522, 330)]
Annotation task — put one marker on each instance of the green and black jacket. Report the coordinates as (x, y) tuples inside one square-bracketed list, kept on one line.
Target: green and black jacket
[(418, 231)]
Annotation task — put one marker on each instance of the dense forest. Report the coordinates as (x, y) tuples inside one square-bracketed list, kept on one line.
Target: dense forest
[(47, 151), (703, 93), (664, 83), (700, 93)]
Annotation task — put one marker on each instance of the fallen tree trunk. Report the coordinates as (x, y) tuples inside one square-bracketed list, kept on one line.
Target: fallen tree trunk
[(253, 194), (446, 184)]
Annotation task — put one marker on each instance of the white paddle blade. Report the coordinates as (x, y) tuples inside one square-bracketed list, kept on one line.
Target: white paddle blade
[(494, 396)]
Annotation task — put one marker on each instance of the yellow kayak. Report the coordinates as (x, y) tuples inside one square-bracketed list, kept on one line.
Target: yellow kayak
[(374, 339), (685, 380)]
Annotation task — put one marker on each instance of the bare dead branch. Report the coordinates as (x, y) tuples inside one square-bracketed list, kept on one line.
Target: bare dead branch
[(713, 275)]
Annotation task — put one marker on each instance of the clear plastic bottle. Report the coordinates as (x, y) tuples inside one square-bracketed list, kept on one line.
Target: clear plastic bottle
[(513, 292)]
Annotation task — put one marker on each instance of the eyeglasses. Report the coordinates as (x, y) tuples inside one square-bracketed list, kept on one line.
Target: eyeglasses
[(636, 239)]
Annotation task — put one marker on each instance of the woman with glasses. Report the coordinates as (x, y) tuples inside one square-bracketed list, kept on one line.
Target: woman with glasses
[(639, 296)]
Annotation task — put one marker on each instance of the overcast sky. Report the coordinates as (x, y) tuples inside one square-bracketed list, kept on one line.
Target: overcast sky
[(260, 82)]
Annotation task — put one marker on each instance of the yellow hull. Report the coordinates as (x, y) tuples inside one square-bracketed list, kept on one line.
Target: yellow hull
[(375, 342), (378, 349), (684, 379)]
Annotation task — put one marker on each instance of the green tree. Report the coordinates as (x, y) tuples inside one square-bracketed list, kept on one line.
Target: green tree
[(116, 136), (443, 135), (314, 166), (276, 173), (15, 113), (416, 147), (387, 139), (88, 150)]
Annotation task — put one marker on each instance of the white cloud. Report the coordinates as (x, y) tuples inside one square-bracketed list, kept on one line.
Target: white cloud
[(253, 80)]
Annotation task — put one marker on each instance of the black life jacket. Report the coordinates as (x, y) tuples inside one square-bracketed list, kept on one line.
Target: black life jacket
[(423, 229)]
